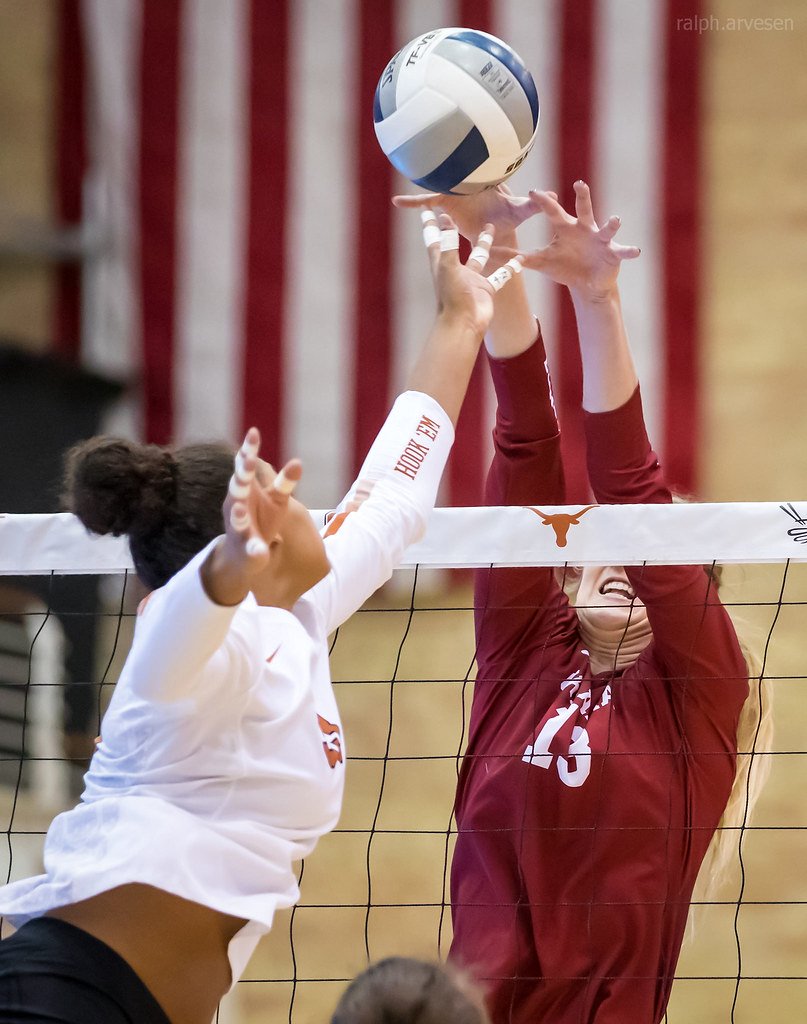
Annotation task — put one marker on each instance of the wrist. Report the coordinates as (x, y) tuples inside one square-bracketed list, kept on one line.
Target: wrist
[(584, 296), (461, 323), (222, 573)]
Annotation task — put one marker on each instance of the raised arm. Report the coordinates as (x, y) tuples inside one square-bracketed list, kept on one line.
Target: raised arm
[(526, 467), (464, 310), (692, 634), (513, 327), (183, 624), (253, 512), (584, 257), (387, 507)]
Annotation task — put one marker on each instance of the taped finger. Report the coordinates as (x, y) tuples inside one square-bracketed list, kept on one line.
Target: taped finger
[(500, 277), (249, 447), (256, 546), (481, 251), (239, 488), (239, 518), (449, 239), (241, 480), (431, 232), (282, 484)]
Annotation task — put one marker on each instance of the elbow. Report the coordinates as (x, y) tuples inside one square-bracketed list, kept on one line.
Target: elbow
[(416, 521), (406, 515), (405, 524)]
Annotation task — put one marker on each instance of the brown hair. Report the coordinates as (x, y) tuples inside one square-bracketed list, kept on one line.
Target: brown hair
[(167, 501), (401, 990)]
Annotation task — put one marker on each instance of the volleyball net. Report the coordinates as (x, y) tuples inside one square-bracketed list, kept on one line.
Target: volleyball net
[(403, 668)]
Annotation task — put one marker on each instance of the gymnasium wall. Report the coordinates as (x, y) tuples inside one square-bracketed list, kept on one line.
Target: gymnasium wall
[(754, 227)]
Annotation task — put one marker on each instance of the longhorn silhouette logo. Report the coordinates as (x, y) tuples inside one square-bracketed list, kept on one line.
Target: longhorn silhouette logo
[(560, 521)]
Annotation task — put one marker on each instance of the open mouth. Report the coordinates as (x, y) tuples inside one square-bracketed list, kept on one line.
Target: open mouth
[(617, 588)]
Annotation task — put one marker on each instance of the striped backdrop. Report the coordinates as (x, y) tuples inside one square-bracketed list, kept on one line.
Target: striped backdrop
[(251, 267)]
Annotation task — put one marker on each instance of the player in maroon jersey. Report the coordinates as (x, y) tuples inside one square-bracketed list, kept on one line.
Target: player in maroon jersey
[(603, 735)]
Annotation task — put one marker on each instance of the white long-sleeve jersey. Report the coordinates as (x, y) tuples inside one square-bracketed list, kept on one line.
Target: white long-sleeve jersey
[(222, 758)]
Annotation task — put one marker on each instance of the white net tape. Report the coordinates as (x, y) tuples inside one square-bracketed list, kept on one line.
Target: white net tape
[(697, 533)]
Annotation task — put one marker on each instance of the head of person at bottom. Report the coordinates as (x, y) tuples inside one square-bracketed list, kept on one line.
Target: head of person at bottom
[(402, 990), (169, 503)]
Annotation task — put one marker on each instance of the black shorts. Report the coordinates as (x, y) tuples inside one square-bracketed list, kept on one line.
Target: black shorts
[(54, 973)]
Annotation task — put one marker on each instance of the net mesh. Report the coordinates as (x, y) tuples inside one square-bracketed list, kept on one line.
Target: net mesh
[(403, 669)]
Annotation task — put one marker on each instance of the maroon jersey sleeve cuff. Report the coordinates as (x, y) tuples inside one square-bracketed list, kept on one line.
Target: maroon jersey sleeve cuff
[(523, 393)]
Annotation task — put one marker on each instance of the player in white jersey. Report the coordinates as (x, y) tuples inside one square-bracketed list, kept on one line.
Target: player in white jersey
[(222, 756)]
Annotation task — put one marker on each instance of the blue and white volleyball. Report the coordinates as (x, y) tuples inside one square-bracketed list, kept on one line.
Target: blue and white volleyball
[(456, 111)]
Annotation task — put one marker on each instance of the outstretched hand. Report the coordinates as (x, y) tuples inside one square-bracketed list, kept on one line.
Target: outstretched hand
[(581, 255), (497, 206), (464, 311), (463, 292), (254, 510)]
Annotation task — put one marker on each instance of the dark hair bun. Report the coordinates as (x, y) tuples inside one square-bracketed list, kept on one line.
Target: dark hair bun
[(116, 486)]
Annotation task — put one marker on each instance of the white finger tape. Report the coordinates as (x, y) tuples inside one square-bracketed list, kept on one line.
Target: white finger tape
[(249, 447), (500, 277), (283, 484), (238, 490), (238, 517), (485, 238), (449, 239), (241, 471), (256, 546), (480, 254), (431, 233)]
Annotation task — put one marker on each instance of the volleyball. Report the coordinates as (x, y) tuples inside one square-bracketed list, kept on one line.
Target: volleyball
[(456, 111)]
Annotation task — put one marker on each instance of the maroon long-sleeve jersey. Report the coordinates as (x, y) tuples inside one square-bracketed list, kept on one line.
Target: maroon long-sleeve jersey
[(586, 802)]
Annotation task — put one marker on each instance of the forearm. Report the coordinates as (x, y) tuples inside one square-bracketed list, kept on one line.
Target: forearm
[(223, 578), (622, 466), (525, 410), (527, 466), (693, 635), (444, 366), (609, 376), (388, 505), (180, 628), (513, 327)]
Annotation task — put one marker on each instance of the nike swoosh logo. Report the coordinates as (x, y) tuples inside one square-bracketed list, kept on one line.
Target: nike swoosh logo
[(272, 655)]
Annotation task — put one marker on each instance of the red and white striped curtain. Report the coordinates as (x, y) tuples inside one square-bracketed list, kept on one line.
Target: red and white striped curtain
[(251, 267)]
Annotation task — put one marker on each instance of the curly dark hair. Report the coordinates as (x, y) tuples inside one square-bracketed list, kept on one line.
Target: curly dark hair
[(167, 501), (402, 990)]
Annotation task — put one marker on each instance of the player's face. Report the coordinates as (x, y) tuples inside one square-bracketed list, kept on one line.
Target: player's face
[(606, 602), (298, 551)]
